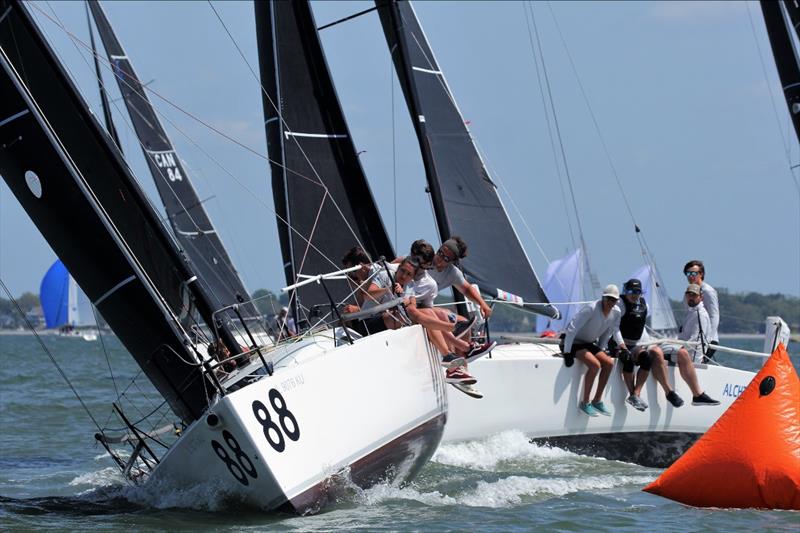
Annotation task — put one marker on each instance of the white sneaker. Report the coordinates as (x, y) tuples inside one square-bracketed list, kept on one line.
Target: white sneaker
[(469, 390)]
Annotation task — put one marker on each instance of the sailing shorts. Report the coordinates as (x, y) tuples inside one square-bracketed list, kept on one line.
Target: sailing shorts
[(638, 355), (578, 346)]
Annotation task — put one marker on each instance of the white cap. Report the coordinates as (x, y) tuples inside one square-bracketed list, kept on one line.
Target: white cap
[(612, 291)]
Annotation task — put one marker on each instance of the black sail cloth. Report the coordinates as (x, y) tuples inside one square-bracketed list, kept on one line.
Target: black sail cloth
[(72, 182), (464, 197), (786, 57), (318, 184), (190, 222)]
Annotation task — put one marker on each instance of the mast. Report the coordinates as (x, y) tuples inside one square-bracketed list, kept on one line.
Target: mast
[(465, 199), (323, 202), (786, 58), (73, 183), (190, 222)]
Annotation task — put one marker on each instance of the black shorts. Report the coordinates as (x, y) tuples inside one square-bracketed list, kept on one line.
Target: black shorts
[(591, 347), (639, 355)]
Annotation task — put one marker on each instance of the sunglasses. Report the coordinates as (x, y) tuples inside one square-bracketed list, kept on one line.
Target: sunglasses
[(446, 259), (691, 274), (633, 291)]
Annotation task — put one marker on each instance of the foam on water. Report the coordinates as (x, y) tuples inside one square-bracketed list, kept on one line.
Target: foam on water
[(486, 454), (105, 477), (505, 492)]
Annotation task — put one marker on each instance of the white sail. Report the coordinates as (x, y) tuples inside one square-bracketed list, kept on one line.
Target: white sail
[(562, 283), (660, 313)]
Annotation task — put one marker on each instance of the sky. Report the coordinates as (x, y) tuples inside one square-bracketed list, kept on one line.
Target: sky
[(685, 96)]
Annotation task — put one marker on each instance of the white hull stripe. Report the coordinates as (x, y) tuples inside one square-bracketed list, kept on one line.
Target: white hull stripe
[(315, 135), (427, 70), (113, 290), (14, 117)]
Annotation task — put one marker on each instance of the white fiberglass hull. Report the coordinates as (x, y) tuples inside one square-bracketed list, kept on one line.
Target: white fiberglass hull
[(373, 411), (527, 388)]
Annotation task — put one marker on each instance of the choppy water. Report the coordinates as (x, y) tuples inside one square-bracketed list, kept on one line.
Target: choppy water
[(54, 476)]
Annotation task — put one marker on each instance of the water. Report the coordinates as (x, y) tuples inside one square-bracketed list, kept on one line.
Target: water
[(54, 476)]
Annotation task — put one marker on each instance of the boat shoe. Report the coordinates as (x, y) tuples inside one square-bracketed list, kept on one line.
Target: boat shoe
[(601, 408), (587, 408)]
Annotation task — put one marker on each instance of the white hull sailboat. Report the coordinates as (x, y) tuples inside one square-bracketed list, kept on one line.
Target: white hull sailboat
[(273, 428), (321, 422), (527, 387)]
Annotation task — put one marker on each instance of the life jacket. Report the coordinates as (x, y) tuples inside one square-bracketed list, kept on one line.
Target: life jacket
[(633, 320)]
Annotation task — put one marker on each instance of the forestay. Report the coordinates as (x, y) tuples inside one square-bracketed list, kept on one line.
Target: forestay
[(465, 199), (190, 222), (73, 183)]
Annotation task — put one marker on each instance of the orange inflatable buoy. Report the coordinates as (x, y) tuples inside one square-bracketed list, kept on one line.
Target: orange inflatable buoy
[(751, 456)]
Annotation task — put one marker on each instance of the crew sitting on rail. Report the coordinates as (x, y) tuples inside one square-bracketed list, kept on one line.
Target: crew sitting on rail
[(371, 288), (632, 328), (586, 338), (694, 327)]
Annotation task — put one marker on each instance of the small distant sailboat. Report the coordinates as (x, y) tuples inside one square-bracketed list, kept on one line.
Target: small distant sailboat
[(65, 305)]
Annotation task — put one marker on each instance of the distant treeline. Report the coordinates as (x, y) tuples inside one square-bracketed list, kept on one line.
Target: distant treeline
[(741, 312)]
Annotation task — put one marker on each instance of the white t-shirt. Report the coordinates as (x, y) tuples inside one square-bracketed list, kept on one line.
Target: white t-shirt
[(425, 290), (380, 278)]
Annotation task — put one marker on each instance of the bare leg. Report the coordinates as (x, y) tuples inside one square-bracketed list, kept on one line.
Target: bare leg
[(593, 365), (641, 377), (437, 340), (688, 373), (607, 365), (627, 377), (659, 367)]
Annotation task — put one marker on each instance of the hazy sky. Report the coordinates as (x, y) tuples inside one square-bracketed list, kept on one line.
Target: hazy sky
[(695, 125)]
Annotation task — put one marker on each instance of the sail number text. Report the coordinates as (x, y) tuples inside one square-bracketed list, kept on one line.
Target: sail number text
[(287, 423)]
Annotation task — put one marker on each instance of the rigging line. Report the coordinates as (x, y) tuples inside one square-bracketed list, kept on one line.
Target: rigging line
[(345, 19), (394, 149), (513, 202), (785, 141), (50, 355), (553, 149), (585, 254), (285, 126), (105, 350)]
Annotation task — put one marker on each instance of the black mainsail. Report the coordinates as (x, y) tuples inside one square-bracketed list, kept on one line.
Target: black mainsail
[(465, 199), (322, 199), (189, 220), (73, 183), (786, 57)]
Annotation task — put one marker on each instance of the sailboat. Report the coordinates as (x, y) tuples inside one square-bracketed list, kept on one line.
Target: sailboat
[(292, 418), (65, 305), (526, 385)]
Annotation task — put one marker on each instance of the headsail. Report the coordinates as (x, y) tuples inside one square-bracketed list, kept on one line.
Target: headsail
[(786, 56), (63, 302), (77, 189), (563, 282), (322, 198), (189, 220), (464, 197), (660, 315)]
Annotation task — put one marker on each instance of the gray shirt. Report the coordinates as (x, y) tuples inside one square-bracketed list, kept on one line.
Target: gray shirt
[(589, 325), (449, 277), (694, 321)]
